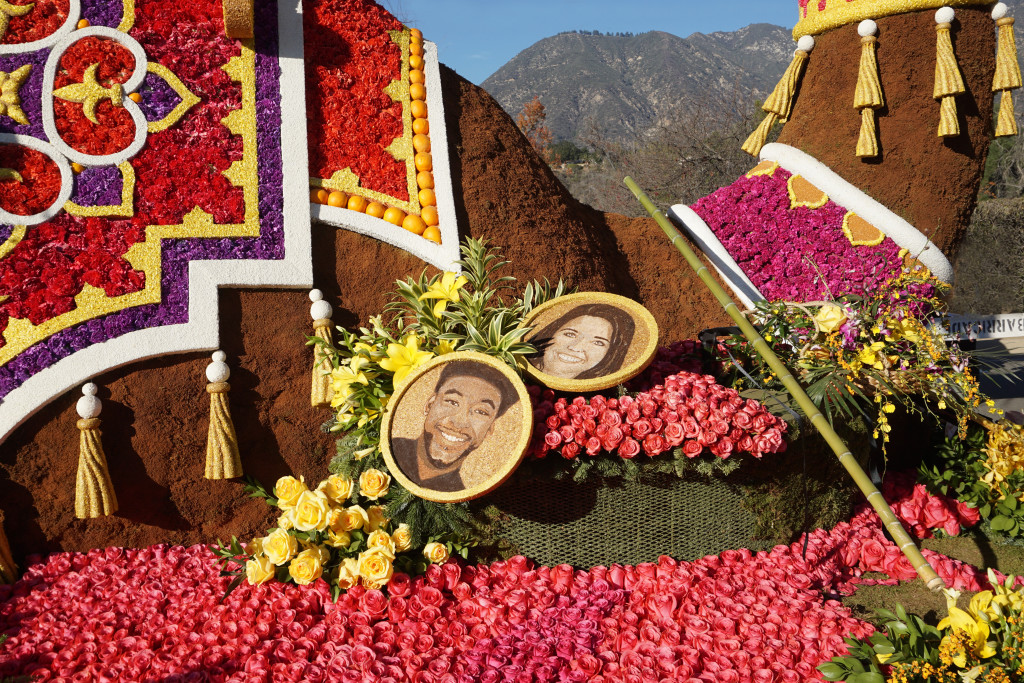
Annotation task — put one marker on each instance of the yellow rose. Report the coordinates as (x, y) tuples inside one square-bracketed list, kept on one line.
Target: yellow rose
[(336, 488), (373, 484), (402, 538), (354, 518), (435, 553), (288, 490), (375, 569), (380, 541), (280, 546), (306, 567), (829, 317), (259, 570), (311, 510), (348, 573), (338, 539), (375, 517), (286, 520), (254, 547)]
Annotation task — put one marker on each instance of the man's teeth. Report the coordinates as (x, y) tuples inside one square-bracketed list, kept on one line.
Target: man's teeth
[(454, 438)]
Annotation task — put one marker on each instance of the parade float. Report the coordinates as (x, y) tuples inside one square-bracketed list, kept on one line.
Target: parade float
[(294, 384)]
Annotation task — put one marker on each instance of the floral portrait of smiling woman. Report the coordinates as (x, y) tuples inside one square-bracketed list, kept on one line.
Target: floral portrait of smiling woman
[(589, 340)]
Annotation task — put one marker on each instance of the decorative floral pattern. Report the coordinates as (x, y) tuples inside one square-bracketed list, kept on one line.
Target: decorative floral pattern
[(787, 252), (42, 20), (37, 185), (202, 148)]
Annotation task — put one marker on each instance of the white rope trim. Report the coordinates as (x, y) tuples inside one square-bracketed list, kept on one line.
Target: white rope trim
[(852, 199), (69, 25), (730, 271), (66, 180)]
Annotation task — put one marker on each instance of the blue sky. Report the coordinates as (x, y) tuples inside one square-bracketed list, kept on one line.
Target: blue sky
[(476, 37)]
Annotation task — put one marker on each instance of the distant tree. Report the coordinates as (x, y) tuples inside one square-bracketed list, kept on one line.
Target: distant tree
[(531, 121)]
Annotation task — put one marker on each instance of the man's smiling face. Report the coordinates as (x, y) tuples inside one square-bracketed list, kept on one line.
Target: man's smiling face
[(460, 416)]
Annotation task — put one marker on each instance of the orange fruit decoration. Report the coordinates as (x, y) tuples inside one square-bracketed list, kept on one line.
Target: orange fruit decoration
[(375, 209), (83, 23), (425, 179), (78, 168), (415, 62), (394, 216), (337, 198), (429, 215), (318, 196), (416, 33), (414, 224), (419, 109), (357, 203), (427, 198), (416, 48), (417, 91), (135, 97), (421, 143), (433, 234), (420, 126), (424, 162), (416, 76)]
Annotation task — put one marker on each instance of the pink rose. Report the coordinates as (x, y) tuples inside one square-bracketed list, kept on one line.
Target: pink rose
[(641, 428), (629, 448), (674, 433), (723, 448), (872, 552), (654, 444), (612, 438), (593, 445), (935, 512), (742, 420), (691, 449), (968, 516), (552, 439)]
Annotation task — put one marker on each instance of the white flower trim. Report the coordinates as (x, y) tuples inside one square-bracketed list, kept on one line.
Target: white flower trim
[(730, 271), (444, 255), (201, 332), (66, 180), (132, 84), (852, 199), (74, 11)]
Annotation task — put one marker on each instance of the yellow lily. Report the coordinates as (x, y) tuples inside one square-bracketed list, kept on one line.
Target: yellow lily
[(444, 290), (343, 377), (976, 640), (404, 358), (444, 346)]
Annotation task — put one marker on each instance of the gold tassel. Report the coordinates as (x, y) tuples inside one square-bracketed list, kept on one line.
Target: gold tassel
[(8, 570), (868, 95), (322, 390), (1007, 76), (222, 460), (948, 81), (779, 104), (1006, 124), (94, 493)]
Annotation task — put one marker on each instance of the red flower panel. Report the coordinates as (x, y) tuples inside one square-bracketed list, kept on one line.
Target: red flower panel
[(39, 185), (44, 19)]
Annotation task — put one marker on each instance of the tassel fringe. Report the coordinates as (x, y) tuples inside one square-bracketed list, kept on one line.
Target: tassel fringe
[(94, 492), (779, 104), (322, 392), (948, 81), (222, 460), (8, 570), (868, 97), (1007, 77), (867, 143)]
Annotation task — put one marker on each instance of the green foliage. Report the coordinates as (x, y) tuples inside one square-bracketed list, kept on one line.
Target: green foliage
[(905, 638)]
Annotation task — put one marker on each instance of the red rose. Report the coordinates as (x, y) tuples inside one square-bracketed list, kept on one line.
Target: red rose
[(723, 448), (641, 428), (872, 552), (935, 512), (674, 433), (612, 439), (629, 448), (654, 444), (570, 450), (691, 449), (593, 445)]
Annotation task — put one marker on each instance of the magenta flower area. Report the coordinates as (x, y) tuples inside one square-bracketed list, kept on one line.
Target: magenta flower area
[(157, 614), (787, 251)]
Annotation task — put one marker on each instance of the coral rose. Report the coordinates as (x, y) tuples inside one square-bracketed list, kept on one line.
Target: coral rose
[(373, 484), (306, 567), (288, 489), (280, 546)]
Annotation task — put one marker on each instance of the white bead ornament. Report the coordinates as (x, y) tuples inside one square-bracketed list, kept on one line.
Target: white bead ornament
[(1000, 11), (320, 310), (806, 43), (867, 28), (218, 370), (89, 406), (944, 15)]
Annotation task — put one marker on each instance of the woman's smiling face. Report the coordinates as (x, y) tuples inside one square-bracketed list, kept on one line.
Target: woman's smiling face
[(577, 346)]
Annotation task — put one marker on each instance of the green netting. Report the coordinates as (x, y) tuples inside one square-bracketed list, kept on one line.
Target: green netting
[(626, 522)]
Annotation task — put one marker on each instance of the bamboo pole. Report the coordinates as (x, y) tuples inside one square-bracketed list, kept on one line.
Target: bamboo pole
[(864, 483)]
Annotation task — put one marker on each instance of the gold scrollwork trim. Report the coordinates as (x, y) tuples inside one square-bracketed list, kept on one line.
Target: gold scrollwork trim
[(188, 99), (125, 208), (17, 234), (127, 17), (348, 182)]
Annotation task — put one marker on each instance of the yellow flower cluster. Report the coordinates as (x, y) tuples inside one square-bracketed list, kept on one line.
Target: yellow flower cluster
[(325, 510), (1004, 451)]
